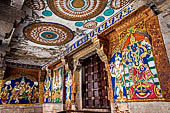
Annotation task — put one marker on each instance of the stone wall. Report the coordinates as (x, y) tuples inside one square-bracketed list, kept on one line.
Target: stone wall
[(141, 107), (52, 108), (21, 109), (149, 107), (164, 21)]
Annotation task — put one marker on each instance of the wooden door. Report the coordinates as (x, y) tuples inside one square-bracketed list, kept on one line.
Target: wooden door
[(95, 94)]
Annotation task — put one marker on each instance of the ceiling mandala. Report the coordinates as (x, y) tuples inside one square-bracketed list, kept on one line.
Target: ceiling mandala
[(48, 33), (77, 10), (117, 4), (35, 4)]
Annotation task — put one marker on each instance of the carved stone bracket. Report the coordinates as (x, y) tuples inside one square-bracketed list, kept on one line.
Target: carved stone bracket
[(66, 64), (77, 64), (100, 50)]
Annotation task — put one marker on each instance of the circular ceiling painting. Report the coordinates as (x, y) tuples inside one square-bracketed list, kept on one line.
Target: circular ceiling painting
[(35, 4), (77, 10), (48, 33), (117, 4)]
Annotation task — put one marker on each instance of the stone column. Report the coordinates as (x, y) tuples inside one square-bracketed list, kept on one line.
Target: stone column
[(67, 63), (76, 88)]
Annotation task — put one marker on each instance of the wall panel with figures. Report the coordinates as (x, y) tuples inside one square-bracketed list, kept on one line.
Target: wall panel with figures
[(53, 86), (133, 68), (68, 84), (21, 86), (136, 71)]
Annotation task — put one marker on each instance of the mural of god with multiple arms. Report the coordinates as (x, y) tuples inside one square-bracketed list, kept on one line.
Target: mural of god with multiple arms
[(133, 69), (19, 90)]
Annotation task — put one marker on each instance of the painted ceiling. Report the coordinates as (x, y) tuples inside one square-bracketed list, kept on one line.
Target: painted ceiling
[(51, 26)]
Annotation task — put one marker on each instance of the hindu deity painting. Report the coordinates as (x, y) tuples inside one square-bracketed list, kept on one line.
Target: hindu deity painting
[(133, 70), (117, 76), (47, 87), (57, 85), (19, 90), (68, 83)]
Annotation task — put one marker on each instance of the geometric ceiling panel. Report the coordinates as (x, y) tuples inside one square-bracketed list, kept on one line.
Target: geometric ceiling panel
[(48, 33), (77, 10)]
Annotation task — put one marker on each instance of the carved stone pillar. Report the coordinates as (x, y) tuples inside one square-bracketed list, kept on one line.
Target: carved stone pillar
[(76, 74), (68, 63)]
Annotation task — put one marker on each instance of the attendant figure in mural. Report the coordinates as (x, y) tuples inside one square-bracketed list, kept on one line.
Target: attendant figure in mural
[(15, 93), (57, 86), (68, 87), (47, 86), (117, 74), (28, 91), (140, 67), (4, 94), (35, 95)]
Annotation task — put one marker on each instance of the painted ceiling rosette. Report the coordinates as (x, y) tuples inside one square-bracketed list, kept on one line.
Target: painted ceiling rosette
[(48, 33), (35, 4), (77, 10)]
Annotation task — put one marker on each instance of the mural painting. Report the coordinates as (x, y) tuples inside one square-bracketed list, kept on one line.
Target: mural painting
[(19, 90), (117, 76), (53, 86), (133, 71), (57, 85), (47, 87), (68, 84)]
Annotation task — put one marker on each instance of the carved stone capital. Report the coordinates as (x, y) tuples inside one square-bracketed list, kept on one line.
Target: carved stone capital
[(100, 50), (77, 65), (67, 63)]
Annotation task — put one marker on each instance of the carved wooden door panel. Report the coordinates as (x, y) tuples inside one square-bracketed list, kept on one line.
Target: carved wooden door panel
[(95, 94)]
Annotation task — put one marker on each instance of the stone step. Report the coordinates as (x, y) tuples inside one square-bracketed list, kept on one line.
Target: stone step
[(80, 111)]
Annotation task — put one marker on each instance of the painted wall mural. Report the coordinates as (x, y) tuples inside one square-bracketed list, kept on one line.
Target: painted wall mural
[(19, 90), (57, 85), (47, 87), (133, 70), (48, 33), (68, 84), (53, 86)]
